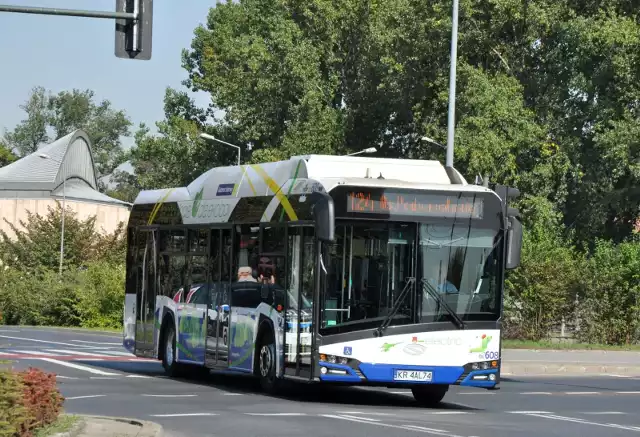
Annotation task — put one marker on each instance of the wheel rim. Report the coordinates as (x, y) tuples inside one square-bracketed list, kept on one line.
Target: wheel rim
[(169, 349), (265, 361)]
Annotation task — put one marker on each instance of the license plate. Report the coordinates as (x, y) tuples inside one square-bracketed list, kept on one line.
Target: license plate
[(412, 375)]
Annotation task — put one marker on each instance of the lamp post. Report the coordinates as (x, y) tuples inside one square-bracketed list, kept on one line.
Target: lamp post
[(432, 141), (367, 151), (452, 84), (64, 202), (212, 138)]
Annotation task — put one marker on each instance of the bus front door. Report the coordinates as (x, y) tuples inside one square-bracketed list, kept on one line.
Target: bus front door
[(146, 296)]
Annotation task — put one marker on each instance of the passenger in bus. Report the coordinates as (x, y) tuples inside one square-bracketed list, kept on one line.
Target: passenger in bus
[(245, 274), (266, 270)]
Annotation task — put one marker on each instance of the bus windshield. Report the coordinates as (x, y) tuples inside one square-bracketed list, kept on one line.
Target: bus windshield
[(436, 265)]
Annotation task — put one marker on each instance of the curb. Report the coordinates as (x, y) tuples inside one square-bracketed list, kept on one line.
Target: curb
[(64, 329), (515, 369), (147, 429)]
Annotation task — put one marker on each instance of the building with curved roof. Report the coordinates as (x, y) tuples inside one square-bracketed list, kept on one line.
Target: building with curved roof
[(62, 169)]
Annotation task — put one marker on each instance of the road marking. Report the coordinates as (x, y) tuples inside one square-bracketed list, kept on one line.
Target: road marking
[(233, 394), (581, 393), (628, 392), (369, 413), (602, 412), (97, 342), (424, 428), (79, 367), (529, 412), (9, 330), (450, 412), (37, 341), (400, 393), (585, 422), (403, 427), (138, 376), (66, 377), (84, 397), (535, 393), (66, 351), (101, 377), (275, 414), (361, 418), (117, 353), (184, 415), (36, 352), (170, 396)]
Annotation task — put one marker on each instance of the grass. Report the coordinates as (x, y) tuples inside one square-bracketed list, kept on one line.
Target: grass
[(529, 344), (64, 424)]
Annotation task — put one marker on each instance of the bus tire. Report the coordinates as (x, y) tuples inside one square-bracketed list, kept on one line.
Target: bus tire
[(171, 367), (429, 395), (266, 362)]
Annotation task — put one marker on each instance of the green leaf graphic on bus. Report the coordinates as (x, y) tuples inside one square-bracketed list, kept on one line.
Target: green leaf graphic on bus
[(196, 203), (388, 346), (242, 335), (483, 345)]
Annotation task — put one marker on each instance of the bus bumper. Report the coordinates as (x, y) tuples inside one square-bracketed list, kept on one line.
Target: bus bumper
[(472, 374)]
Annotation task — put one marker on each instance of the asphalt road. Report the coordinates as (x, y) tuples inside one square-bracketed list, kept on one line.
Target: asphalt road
[(97, 376)]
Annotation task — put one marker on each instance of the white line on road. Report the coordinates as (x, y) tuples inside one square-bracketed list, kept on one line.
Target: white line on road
[(37, 341), (97, 342), (35, 352), (9, 330), (66, 377), (401, 393), (529, 412), (275, 414), (425, 429), (138, 376), (101, 377), (79, 367), (184, 415), (388, 425), (361, 418), (582, 393), (628, 392), (369, 413), (70, 352), (602, 412), (585, 422), (450, 412), (170, 396), (233, 394), (84, 397), (535, 393)]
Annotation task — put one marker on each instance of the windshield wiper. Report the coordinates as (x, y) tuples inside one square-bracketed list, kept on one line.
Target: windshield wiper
[(434, 293), (396, 307)]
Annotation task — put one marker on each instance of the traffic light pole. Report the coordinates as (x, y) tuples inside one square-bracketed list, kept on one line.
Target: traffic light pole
[(134, 20), (68, 12)]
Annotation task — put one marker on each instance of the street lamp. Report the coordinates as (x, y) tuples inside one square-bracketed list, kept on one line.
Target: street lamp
[(367, 151), (212, 138), (452, 84), (64, 202), (432, 141)]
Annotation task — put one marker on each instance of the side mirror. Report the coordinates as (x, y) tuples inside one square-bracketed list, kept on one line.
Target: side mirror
[(324, 216), (514, 239)]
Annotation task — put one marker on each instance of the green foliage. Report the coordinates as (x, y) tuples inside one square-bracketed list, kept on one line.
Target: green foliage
[(65, 112), (6, 155), (29, 401), (90, 292)]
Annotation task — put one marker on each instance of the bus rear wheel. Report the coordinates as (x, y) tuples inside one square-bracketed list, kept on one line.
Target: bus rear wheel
[(266, 363), (429, 395), (171, 367)]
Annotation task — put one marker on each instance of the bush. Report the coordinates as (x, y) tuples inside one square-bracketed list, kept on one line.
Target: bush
[(28, 401)]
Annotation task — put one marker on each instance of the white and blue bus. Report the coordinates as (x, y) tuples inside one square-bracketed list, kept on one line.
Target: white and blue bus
[(327, 269)]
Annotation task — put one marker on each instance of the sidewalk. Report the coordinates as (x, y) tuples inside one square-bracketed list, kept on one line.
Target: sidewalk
[(100, 426), (569, 362)]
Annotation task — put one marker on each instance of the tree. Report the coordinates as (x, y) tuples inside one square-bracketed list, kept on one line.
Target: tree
[(65, 112), (6, 155)]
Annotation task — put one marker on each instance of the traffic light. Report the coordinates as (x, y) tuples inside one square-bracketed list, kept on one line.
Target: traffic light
[(133, 36)]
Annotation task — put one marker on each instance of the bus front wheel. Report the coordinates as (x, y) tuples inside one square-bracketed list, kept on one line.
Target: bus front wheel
[(267, 363), (429, 395)]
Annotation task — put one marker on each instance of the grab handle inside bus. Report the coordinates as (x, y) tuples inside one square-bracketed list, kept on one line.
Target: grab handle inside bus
[(324, 216)]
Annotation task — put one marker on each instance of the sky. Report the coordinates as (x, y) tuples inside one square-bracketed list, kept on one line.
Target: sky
[(62, 53)]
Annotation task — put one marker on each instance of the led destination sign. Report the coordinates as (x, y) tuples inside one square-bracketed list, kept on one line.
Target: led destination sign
[(424, 205)]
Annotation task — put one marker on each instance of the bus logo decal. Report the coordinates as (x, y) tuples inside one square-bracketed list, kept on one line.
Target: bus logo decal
[(225, 189)]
